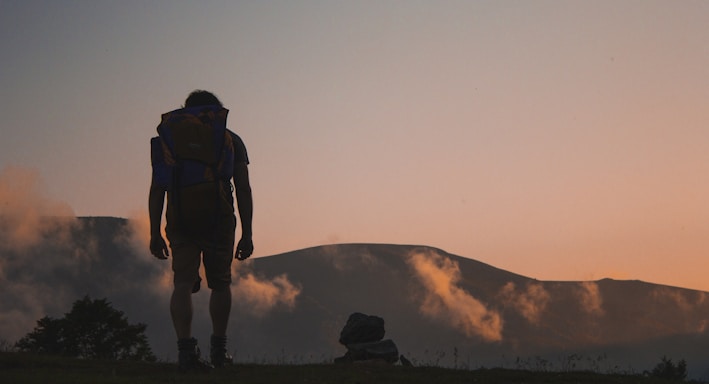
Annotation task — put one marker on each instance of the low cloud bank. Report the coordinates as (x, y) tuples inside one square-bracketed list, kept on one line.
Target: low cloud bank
[(530, 302), (590, 298), (446, 301), (259, 295), (24, 209)]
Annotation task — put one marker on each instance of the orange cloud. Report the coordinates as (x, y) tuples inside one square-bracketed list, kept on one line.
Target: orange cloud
[(530, 303), (26, 214), (261, 295), (446, 301), (138, 232), (590, 297)]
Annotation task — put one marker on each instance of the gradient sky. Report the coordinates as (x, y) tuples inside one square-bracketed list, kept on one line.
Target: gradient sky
[(561, 140)]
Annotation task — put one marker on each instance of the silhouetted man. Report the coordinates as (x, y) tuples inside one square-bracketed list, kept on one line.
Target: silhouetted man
[(194, 160)]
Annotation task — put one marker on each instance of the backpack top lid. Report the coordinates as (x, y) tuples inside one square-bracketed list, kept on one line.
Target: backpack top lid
[(195, 133)]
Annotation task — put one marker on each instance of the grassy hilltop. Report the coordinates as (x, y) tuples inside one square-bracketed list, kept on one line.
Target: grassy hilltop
[(26, 368)]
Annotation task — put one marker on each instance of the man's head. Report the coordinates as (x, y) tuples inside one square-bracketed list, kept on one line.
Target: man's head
[(199, 97)]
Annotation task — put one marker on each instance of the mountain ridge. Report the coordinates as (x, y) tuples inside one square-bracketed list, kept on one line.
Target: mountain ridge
[(539, 317), (439, 308)]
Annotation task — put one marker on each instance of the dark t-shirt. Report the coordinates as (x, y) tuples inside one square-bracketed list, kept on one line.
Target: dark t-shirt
[(240, 155)]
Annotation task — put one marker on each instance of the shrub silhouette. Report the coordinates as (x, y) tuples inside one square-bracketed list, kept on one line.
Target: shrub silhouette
[(93, 330), (666, 369)]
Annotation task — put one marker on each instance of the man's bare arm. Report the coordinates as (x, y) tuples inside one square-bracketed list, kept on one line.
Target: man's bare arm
[(245, 206), (156, 201)]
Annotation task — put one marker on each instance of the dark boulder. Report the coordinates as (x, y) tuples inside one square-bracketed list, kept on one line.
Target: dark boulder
[(361, 328), (362, 335)]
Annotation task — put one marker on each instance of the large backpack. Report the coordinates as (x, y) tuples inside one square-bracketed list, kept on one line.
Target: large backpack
[(193, 160)]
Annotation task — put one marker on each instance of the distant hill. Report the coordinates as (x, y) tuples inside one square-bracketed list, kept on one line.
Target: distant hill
[(440, 309), (622, 325)]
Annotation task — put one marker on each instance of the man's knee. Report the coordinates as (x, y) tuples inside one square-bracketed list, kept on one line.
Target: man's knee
[(183, 287), (219, 285)]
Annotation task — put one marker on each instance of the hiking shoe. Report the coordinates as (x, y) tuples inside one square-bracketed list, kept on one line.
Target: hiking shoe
[(189, 358), (194, 364), (218, 354), (221, 358)]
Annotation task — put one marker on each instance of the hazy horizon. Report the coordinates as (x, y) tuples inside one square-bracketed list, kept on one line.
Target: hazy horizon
[(293, 306)]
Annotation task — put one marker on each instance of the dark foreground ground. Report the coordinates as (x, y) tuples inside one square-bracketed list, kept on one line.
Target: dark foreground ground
[(24, 368)]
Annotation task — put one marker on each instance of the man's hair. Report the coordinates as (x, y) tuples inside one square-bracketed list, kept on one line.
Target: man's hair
[(200, 97)]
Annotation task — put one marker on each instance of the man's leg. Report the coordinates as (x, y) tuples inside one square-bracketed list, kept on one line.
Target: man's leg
[(185, 265), (217, 266), (219, 309), (181, 310)]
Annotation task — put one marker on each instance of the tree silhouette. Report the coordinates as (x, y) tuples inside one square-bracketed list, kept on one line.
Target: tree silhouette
[(93, 329), (46, 338)]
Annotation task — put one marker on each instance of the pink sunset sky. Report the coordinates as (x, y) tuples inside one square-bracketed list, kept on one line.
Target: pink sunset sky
[(561, 140)]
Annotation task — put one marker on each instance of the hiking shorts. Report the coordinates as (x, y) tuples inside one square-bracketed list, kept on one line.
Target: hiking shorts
[(188, 253)]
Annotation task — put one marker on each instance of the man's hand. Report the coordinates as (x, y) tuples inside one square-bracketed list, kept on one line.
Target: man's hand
[(158, 247), (244, 249)]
